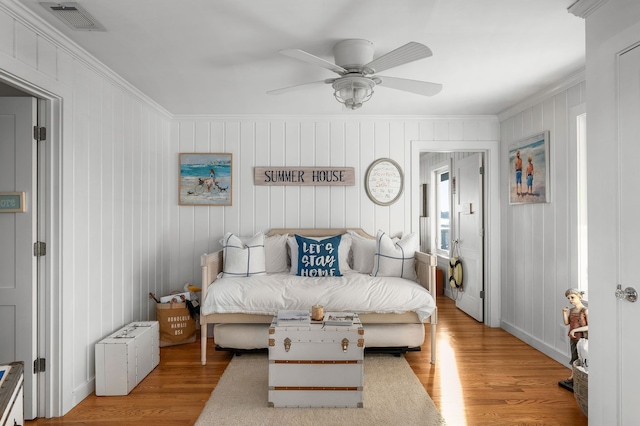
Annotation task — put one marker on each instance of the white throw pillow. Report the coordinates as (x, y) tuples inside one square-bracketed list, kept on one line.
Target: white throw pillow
[(363, 251), (395, 259), (275, 252), (343, 252), (243, 257)]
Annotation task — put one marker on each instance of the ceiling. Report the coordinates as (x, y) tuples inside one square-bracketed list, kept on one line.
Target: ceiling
[(221, 56)]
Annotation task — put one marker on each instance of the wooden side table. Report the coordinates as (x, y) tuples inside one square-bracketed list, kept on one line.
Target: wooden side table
[(12, 395)]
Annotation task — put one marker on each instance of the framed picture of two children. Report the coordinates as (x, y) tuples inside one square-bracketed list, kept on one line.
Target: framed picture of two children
[(529, 170)]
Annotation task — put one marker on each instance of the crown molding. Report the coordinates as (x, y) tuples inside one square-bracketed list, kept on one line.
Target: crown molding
[(329, 117), (43, 29), (550, 91), (584, 8)]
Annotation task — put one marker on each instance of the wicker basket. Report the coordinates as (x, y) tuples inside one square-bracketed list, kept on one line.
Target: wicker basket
[(581, 387)]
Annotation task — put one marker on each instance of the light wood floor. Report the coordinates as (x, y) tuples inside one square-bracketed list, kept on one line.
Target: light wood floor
[(483, 376)]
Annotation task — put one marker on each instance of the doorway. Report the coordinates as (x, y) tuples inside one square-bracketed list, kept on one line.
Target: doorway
[(25, 291), (491, 264), (454, 226)]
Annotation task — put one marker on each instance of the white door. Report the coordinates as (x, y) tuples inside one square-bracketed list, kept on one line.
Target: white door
[(467, 209), (629, 237), (18, 313)]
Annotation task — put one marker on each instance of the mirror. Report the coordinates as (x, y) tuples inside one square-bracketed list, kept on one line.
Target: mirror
[(384, 181)]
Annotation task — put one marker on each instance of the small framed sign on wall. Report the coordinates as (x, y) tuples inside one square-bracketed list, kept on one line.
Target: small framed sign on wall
[(12, 202)]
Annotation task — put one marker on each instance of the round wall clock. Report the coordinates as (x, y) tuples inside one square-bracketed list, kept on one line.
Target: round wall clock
[(384, 181)]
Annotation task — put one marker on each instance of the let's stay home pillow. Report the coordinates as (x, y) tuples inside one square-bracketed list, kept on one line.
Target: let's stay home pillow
[(318, 258)]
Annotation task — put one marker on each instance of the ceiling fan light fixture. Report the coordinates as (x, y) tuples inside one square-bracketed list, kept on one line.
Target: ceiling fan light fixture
[(356, 68), (353, 91)]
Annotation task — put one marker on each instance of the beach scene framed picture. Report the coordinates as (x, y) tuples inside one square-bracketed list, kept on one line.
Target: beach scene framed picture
[(205, 179), (529, 170)]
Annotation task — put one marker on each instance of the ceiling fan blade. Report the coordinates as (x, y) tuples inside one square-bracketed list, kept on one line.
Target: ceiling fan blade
[(414, 86), (297, 87), (303, 56), (410, 52)]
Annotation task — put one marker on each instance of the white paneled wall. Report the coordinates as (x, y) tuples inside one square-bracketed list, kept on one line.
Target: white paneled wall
[(291, 142), (110, 160), (117, 214), (536, 238), (116, 160)]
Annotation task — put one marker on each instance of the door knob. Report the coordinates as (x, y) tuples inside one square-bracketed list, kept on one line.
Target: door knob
[(628, 293)]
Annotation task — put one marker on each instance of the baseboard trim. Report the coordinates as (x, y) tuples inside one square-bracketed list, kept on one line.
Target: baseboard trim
[(537, 344)]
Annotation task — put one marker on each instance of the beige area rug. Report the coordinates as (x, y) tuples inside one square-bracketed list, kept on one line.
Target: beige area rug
[(392, 395)]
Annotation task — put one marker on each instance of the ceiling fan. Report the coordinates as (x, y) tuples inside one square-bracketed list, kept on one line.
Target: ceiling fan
[(356, 68)]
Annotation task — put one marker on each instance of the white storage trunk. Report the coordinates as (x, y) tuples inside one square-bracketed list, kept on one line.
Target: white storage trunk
[(316, 365), (125, 357)]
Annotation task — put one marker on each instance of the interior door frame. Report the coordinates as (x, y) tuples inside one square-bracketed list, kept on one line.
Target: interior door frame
[(492, 209), (50, 403)]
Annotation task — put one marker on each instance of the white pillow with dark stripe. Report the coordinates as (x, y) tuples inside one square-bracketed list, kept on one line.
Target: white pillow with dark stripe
[(395, 259), (243, 257)]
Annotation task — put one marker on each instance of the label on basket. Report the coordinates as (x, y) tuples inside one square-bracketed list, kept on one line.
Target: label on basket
[(176, 324)]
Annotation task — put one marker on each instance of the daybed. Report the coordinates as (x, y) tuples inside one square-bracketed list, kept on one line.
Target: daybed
[(241, 309)]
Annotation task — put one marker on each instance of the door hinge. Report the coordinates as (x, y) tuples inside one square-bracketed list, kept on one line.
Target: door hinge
[(482, 233), (39, 248), (482, 294), (39, 365), (39, 133), (482, 170)]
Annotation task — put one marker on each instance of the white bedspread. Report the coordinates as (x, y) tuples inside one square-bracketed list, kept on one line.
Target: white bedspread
[(353, 292)]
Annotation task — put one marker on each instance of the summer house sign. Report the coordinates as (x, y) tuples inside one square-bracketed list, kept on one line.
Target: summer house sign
[(301, 176)]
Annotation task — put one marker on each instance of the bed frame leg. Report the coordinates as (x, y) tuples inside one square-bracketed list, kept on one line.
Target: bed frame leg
[(203, 343), (432, 333)]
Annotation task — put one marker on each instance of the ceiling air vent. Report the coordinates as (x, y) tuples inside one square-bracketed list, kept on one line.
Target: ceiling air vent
[(74, 16)]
